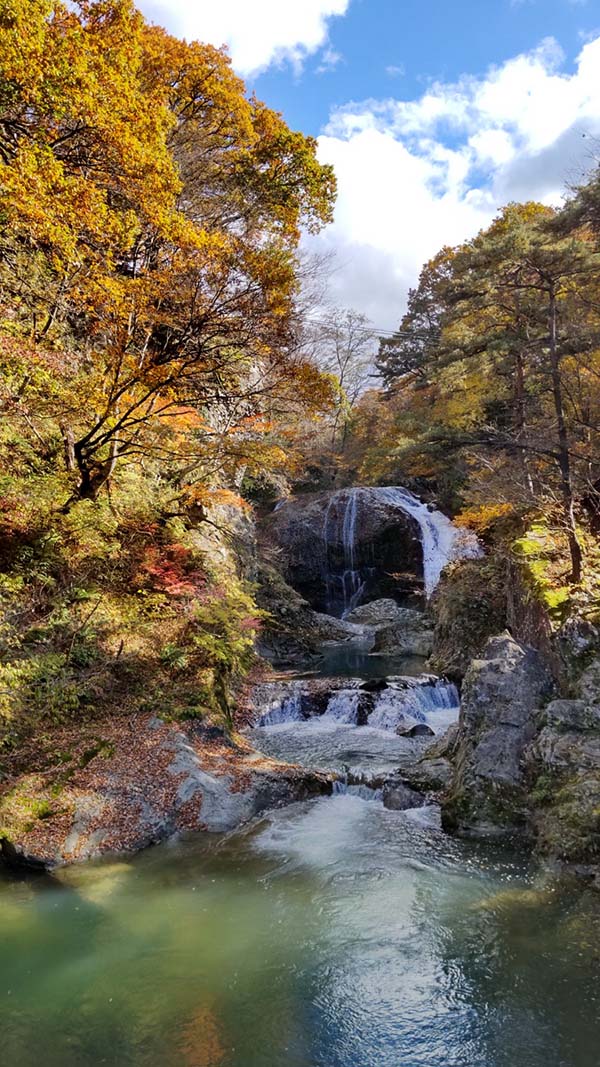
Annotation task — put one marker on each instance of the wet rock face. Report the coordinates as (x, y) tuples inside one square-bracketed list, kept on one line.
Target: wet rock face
[(502, 694), (398, 796), (314, 534)]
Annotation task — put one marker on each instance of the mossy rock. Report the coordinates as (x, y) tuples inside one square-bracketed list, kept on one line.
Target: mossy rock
[(469, 606)]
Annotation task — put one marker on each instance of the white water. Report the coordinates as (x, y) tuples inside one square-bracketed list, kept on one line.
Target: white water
[(406, 701), (292, 729), (441, 540), (343, 529), (363, 792), (286, 707), (343, 707), (436, 705)]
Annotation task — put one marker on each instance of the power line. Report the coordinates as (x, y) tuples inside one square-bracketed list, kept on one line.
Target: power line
[(381, 332)]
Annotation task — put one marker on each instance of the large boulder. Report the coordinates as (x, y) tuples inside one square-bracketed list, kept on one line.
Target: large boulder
[(588, 684), (314, 533), (565, 775), (469, 607), (399, 796), (502, 694), (384, 612), (414, 639), (398, 631)]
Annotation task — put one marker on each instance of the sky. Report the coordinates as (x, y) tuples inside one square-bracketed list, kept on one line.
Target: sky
[(434, 114)]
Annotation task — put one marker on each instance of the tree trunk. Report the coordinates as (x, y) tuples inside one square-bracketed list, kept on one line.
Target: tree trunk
[(564, 460), (521, 427)]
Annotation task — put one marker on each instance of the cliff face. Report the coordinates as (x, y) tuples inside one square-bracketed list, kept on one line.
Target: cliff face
[(332, 544), (524, 763)]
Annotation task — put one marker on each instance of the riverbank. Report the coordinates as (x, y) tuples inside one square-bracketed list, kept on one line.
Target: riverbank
[(131, 782)]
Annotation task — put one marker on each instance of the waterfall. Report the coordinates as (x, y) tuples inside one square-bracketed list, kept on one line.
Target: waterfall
[(436, 704), (404, 702), (441, 540), (363, 792), (343, 706), (285, 707), (349, 585)]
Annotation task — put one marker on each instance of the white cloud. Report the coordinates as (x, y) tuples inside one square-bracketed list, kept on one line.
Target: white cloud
[(414, 175), (329, 60), (258, 33)]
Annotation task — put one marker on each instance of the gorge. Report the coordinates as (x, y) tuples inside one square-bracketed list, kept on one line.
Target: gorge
[(280, 908)]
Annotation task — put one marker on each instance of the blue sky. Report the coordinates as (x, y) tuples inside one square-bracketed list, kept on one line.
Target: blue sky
[(433, 113), (397, 46)]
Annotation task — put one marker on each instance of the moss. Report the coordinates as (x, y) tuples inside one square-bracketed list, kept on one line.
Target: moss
[(103, 748), (543, 790), (469, 606), (569, 827), (20, 809), (541, 553)]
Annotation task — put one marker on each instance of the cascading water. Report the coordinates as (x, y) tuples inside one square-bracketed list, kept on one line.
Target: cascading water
[(441, 542), (407, 700), (343, 590), (364, 792), (367, 733), (343, 707), (436, 705), (284, 707)]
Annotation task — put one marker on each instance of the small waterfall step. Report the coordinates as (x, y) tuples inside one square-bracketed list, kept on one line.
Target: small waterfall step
[(400, 704)]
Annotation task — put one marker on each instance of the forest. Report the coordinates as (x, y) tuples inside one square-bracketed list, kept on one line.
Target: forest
[(151, 364), (161, 363)]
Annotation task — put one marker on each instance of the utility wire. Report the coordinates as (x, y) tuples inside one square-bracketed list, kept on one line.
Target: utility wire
[(381, 332)]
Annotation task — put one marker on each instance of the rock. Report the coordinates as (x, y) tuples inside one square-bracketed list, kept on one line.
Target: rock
[(557, 751), (588, 685), (328, 628), (420, 729), (568, 824), (401, 640), (468, 606), (398, 796), (434, 771), (431, 775), (445, 746), (381, 613), (564, 763), (501, 696), (577, 637), (572, 715), (374, 685), (157, 781), (311, 534)]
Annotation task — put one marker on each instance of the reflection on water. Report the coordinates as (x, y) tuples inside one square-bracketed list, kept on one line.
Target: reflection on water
[(353, 659), (330, 934)]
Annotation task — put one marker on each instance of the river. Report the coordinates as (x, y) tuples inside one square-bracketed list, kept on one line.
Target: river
[(333, 933)]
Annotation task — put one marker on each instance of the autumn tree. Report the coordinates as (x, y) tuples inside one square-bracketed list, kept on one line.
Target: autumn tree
[(151, 215)]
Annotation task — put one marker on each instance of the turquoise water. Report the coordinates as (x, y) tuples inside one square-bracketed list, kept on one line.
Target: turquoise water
[(330, 934)]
